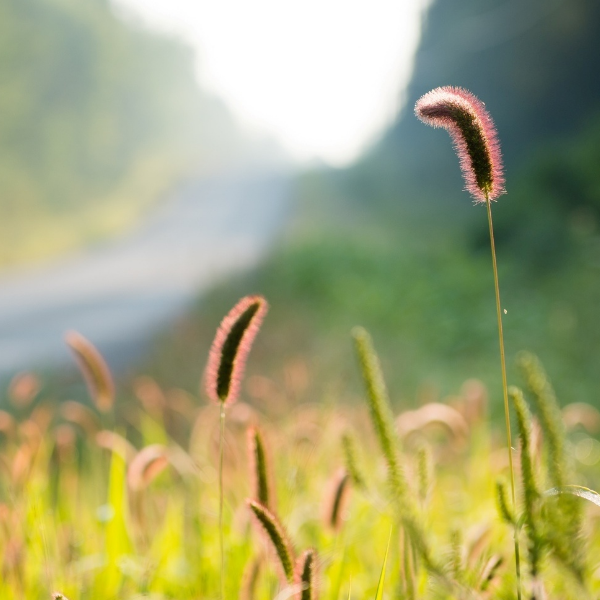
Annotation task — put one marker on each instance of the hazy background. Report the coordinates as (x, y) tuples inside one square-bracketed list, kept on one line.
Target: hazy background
[(111, 111)]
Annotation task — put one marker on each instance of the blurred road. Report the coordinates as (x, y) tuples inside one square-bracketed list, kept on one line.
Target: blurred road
[(119, 294)]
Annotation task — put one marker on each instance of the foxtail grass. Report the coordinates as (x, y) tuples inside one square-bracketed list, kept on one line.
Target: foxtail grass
[(531, 493), (277, 538), (563, 517), (475, 140), (223, 375), (383, 423), (351, 460), (305, 575), (260, 475)]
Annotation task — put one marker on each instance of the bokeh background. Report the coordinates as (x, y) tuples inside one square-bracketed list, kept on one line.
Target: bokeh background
[(159, 160)]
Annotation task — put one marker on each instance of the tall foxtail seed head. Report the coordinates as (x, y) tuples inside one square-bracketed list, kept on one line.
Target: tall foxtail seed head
[(230, 348), (474, 136), (94, 369)]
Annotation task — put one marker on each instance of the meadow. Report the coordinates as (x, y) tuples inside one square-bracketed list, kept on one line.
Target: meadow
[(121, 499), (271, 491)]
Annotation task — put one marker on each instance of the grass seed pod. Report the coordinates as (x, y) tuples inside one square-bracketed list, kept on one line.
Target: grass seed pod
[(276, 536), (474, 136), (230, 348), (262, 489)]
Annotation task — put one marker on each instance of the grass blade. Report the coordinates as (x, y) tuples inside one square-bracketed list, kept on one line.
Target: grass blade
[(379, 594)]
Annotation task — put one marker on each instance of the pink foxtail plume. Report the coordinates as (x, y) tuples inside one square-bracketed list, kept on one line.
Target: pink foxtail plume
[(230, 348), (474, 136)]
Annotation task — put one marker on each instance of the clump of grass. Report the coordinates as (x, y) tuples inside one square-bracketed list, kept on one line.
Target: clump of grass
[(563, 517)]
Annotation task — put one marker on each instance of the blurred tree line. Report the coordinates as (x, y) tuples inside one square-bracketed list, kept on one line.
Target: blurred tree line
[(97, 117), (535, 64)]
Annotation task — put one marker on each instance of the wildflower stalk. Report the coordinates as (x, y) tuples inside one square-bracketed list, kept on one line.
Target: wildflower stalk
[(488, 204)]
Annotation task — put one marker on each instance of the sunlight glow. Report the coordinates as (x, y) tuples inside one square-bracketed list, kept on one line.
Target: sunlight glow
[(324, 77)]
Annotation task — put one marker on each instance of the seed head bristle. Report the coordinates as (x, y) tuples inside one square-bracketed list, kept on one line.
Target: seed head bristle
[(276, 536), (230, 348), (305, 576), (474, 136), (94, 369)]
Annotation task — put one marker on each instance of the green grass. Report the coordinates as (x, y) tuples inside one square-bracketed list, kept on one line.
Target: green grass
[(68, 522)]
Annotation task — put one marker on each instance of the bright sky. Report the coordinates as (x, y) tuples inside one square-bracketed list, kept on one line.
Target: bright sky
[(324, 77)]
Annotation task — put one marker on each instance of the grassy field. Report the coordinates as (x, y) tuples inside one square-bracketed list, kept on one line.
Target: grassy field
[(123, 502)]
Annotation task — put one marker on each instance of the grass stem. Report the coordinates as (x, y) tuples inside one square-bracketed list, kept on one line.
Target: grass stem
[(221, 541), (504, 390)]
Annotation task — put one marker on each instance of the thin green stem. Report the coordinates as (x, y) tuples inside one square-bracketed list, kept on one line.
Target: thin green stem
[(221, 542), (504, 391)]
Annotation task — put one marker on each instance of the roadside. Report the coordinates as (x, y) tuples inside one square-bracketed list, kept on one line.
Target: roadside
[(119, 293)]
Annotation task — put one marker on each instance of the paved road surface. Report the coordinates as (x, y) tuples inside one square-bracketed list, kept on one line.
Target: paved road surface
[(117, 295)]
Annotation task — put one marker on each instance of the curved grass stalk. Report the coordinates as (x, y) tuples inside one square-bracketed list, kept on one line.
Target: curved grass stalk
[(504, 388), (277, 537)]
